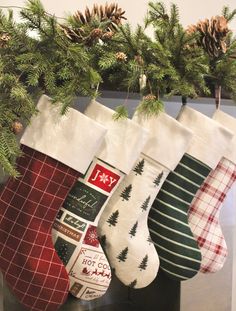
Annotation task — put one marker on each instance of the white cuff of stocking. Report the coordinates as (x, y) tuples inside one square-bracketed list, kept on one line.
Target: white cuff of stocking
[(230, 123), (72, 139), (210, 139), (123, 141), (168, 140)]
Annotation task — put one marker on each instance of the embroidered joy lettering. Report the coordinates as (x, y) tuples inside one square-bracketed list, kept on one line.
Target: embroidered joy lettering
[(103, 178)]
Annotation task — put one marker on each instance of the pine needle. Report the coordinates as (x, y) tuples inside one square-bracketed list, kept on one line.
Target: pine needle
[(121, 113), (150, 108)]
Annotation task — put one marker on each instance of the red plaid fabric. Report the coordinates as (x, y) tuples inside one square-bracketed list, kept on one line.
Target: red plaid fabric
[(29, 205), (204, 216)]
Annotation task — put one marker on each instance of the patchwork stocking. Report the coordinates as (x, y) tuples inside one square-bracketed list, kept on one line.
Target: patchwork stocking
[(75, 230), (30, 203), (205, 208), (179, 254), (123, 224)]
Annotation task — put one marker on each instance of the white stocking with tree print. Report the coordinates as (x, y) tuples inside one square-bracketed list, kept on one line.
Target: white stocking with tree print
[(123, 224), (76, 227)]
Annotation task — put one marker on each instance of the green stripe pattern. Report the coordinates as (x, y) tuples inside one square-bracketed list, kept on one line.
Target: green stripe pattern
[(178, 251)]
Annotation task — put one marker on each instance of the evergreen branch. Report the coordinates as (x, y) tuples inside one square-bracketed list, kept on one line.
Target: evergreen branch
[(107, 61), (9, 149), (126, 31), (229, 16), (121, 112), (174, 16), (8, 167), (21, 7), (150, 107)]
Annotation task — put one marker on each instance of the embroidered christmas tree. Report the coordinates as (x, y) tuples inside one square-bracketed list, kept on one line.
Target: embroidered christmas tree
[(112, 220), (133, 284), (139, 167), (158, 179), (123, 255), (126, 193), (133, 230), (145, 203), (143, 264)]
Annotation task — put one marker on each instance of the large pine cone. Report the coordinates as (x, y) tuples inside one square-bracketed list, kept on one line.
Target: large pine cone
[(101, 13), (213, 34)]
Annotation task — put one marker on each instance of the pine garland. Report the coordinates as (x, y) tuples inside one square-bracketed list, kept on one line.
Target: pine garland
[(219, 45), (29, 66), (64, 60)]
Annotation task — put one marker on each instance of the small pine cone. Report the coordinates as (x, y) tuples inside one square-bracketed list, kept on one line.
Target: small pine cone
[(149, 97), (17, 127), (139, 60), (4, 38), (108, 35), (96, 33), (120, 56)]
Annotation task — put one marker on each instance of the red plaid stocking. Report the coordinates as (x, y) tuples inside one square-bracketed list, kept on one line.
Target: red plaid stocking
[(29, 204), (205, 209)]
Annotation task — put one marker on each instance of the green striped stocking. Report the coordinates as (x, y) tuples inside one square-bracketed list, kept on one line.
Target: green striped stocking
[(178, 251)]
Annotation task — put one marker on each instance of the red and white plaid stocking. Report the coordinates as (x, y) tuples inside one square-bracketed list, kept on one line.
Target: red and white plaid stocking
[(205, 209), (29, 205)]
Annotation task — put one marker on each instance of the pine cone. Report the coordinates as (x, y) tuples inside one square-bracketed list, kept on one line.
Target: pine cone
[(96, 33), (4, 38), (73, 35), (17, 127), (213, 34), (108, 35), (101, 13), (149, 97), (191, 29), (120, 56)]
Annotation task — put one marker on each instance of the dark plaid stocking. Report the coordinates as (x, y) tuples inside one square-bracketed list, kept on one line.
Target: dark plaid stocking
[(29, 205)]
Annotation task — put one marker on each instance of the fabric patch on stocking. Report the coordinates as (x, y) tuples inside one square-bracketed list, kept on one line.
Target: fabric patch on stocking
[(29, 206), (75, 231), (30, 203), (179, 254), (204, 216), (89, 270), (126, 238), (178, 250), (205, 210)]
